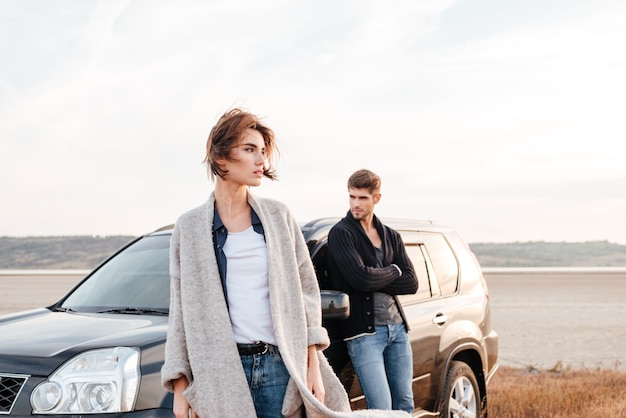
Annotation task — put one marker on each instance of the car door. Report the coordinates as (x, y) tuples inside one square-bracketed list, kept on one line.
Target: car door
[(426, 312)]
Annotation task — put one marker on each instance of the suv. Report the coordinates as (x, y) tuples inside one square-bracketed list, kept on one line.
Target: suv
[(99, 350), (455, 351)]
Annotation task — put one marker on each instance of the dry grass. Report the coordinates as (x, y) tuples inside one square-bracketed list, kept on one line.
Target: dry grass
[(557, 393)]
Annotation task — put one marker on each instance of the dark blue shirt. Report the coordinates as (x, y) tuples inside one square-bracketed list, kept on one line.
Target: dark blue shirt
[(220, 233)]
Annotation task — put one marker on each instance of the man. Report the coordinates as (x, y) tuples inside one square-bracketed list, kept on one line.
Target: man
[(368, 261)]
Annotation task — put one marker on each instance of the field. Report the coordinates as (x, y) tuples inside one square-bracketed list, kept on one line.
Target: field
[(575, 317), (557, 393)]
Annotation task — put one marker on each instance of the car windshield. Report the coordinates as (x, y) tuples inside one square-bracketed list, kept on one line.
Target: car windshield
[(135, 281)]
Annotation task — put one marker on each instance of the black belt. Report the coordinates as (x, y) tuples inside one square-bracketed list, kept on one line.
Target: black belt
[(252, 349)]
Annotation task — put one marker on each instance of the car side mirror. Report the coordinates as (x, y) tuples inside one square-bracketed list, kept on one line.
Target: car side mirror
[(335, 305)]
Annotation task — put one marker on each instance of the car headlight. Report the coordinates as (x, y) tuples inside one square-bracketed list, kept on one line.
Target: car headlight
[(97, 381)]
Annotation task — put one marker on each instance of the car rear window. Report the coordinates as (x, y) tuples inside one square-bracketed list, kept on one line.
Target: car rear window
[(444, 262), (424, 290)]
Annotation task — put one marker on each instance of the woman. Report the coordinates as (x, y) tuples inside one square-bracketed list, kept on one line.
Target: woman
[(245, 336)]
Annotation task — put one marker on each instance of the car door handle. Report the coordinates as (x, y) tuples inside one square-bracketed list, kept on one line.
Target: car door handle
[(440, 319)]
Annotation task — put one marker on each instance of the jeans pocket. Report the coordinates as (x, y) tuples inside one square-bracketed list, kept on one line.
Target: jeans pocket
[(275, 354)]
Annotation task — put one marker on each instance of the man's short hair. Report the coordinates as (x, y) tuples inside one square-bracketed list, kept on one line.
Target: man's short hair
[(364, 179)]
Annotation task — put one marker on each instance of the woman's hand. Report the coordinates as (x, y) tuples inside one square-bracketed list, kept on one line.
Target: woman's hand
[(181, 406), (314, 375)]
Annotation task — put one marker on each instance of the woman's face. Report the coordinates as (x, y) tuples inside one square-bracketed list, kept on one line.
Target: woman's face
[(248, 160)]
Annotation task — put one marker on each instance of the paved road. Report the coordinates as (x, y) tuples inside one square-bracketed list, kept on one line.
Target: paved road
[(578, 319)]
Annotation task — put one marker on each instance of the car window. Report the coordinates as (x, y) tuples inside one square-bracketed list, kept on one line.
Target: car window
[(138, 277), (424, 291), (443, 261)]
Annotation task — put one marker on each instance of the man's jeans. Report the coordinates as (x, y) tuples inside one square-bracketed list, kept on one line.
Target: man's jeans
[(383, 363), (267, 378)]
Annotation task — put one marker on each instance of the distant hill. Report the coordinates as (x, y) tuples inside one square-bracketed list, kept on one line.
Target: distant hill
[(86, 252), (62, 252), (551, 254)]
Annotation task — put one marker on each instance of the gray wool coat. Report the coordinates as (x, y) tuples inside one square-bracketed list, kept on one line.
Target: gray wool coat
[(200, 344)]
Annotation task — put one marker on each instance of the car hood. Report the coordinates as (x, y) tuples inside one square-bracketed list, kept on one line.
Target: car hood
[(38, 341)]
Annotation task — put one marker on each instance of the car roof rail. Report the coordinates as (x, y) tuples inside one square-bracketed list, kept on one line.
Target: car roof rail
[(164, 228)]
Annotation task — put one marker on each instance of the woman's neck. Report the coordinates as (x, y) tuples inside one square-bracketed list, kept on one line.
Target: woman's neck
[(232, 206)]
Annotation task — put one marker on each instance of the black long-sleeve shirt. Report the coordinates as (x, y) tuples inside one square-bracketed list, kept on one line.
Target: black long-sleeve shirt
[(352, 268)]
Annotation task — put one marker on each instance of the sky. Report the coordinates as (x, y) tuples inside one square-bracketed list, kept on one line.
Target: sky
[(502, 119)]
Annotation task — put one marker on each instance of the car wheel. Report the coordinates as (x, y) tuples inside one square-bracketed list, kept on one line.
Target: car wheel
[(461, 396)]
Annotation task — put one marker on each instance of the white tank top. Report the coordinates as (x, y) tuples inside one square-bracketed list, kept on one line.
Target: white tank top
[(247, 286)]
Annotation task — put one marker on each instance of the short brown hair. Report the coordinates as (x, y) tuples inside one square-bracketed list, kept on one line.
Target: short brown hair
[(364, 179), (225, 135)]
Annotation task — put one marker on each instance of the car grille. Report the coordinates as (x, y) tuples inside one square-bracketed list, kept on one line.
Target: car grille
[(10, 387)]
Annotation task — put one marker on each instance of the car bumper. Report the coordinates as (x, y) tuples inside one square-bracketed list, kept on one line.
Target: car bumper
[(147, 413), (491, 344)]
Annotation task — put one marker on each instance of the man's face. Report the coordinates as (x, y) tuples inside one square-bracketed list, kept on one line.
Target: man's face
[(362, 203)]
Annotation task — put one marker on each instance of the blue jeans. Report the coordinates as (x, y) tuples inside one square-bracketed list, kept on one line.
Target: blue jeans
[(267, 378), (383, 363)]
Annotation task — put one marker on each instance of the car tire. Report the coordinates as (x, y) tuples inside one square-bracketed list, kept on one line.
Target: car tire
[(461, 396)]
